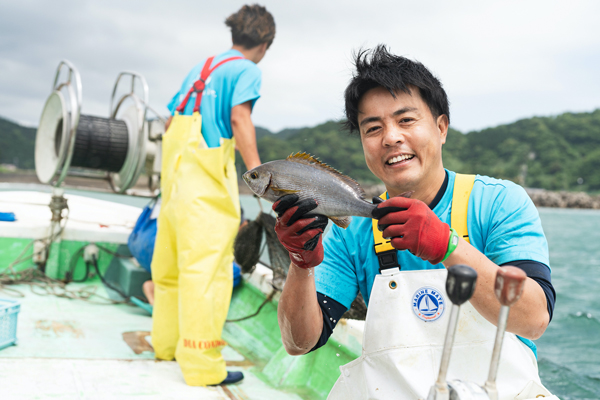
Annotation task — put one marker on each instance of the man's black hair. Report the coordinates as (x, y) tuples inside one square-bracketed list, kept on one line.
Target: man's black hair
[(393, 73)]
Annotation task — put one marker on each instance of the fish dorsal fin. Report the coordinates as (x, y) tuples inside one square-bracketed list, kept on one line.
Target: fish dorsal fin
[(305, 158)]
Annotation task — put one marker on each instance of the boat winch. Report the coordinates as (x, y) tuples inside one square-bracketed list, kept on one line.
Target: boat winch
[(118, 148)]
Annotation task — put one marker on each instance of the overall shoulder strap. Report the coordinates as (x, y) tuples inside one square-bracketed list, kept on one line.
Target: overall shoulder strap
[(198, 86), (463, 184), (386, 254)]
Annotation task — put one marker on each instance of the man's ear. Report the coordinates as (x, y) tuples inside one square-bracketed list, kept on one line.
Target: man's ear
[(442, 124)]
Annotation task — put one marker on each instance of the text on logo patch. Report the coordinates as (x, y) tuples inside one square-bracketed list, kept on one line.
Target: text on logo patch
[(428, 303)]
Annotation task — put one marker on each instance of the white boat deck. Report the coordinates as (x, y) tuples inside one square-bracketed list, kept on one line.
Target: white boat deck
[(74, 349)]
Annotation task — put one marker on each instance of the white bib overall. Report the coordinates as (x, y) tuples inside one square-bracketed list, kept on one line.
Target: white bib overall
[(403, 339)]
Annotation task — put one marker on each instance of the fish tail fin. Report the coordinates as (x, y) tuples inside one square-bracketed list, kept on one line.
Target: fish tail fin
[(342, 222)]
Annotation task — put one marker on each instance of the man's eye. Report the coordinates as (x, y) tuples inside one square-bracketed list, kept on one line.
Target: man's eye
[(406, 120), (372, 129)]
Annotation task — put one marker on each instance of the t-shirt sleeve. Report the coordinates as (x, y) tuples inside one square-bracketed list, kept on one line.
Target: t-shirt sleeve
[(335, 277), (515, 229), (541, 274), (332, 312), (173, 104), (247, 87)]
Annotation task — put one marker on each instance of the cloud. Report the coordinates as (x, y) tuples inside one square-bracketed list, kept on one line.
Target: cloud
[(498, 61)]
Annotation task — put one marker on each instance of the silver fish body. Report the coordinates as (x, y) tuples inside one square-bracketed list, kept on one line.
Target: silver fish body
[(338, 196)]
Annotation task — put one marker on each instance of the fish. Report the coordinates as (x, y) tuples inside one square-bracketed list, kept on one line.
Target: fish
[(338, 196)]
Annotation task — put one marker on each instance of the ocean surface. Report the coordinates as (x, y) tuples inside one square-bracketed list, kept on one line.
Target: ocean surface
[(569, 350)]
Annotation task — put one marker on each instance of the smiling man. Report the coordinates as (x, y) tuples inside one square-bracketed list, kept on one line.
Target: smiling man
[(401, 113)]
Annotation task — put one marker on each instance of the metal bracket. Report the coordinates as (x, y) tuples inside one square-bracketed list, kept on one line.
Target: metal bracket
[(136, 158)]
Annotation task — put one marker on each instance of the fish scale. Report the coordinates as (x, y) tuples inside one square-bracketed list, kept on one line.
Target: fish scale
[(338, 196)]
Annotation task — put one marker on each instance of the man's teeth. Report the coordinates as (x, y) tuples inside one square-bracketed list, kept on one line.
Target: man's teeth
[(400, 158)]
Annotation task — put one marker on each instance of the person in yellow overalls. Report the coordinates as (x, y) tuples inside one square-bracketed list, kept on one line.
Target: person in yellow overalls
[(200, 212)]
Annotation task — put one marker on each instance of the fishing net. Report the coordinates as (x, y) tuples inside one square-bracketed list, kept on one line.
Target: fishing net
[(248, 245), (278, 255), (358, 309)]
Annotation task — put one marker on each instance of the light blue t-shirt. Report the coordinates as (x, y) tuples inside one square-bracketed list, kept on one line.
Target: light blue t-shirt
[(503, 224), (231, 84)]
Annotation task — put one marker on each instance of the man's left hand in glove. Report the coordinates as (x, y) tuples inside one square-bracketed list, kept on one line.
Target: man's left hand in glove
[(299, 233), (413, 226)]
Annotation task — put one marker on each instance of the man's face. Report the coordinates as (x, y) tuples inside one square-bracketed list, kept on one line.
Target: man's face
[(402, 141)]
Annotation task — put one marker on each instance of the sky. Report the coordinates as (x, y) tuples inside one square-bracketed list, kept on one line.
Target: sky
[(498, 61)]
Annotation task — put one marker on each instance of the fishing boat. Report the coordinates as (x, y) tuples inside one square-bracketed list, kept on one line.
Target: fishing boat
[(73, 317), (68, 326), (79, 341)]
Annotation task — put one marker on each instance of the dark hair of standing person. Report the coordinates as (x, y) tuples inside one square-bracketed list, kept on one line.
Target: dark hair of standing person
[(251, 26), (378, 67)]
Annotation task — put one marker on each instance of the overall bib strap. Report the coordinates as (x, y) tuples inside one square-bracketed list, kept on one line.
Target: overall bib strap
[(386, 254), (198, 86), (463, 184)]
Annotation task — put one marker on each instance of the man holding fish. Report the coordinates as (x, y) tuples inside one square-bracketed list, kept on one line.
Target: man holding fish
[(397, 249)]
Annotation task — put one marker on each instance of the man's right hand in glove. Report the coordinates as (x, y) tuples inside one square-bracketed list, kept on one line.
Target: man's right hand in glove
[(300, 234)]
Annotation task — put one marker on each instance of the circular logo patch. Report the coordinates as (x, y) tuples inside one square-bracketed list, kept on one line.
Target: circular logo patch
[(428, 303)]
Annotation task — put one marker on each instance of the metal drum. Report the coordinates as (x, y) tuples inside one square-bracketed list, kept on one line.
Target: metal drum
[(117, 148)]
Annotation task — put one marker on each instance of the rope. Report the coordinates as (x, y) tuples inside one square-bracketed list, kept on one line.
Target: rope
[(43, 285), (268, 299)]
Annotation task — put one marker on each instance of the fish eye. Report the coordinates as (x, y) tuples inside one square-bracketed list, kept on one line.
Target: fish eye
[(254, 175)]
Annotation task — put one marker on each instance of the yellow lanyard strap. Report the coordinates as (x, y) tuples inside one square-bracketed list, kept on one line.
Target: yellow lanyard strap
[(463, 184), (386, 253)]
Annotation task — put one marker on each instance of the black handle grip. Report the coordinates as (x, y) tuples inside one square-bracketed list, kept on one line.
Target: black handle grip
[(460, 283)]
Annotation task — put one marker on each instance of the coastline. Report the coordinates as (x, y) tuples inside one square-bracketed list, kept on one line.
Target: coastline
[(563, 199), (540, 197)]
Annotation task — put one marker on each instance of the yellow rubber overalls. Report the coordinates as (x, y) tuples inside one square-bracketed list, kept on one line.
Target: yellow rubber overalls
[(191, 265)]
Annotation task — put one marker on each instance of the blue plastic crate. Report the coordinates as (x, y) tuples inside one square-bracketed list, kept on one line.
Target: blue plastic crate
[(9, 309)]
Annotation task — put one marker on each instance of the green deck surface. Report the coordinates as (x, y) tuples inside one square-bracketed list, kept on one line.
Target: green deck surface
[(75, 340), (59, 259)]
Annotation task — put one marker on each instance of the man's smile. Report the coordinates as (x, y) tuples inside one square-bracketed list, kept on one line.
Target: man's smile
[(400, 158)]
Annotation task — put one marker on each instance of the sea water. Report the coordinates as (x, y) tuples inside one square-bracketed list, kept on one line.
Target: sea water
[(569, 351)]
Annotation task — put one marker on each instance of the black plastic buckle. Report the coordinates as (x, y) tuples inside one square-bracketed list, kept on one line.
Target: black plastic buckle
[(388, 259)]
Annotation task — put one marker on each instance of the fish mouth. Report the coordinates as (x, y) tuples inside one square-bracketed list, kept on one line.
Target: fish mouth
[(397, 159), (246, 178)]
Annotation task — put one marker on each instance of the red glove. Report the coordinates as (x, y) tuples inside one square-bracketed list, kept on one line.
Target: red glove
[(298, 233), (413, 226)]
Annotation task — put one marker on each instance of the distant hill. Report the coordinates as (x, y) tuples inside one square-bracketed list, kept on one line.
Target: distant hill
[(285, 133), (554, 153), (17, 144)]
